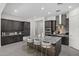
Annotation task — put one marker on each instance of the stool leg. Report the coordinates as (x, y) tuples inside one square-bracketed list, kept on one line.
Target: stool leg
[(36, 50), (41, 50), (46, 51)]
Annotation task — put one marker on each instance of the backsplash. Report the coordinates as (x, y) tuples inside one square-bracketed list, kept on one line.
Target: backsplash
[(10, 33)]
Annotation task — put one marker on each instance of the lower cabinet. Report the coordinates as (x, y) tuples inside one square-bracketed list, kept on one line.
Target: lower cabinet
[(65, 40), (11, 39)]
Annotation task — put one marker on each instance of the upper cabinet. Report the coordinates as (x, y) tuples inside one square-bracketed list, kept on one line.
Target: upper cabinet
[(11, 26), (15, 26), (6, 25), (18, 26), (26, 28), (3, 25)]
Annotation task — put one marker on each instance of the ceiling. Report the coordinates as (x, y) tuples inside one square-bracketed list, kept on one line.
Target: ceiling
[(28, 10)]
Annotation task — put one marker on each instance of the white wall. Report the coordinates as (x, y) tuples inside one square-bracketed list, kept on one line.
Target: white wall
[(51, 18), (2, 5), (38, 27), (12, 17), (74, 28), (33, 26)]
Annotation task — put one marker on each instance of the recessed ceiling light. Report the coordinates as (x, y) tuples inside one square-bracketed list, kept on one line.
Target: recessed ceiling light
[(49, 12), (57, 10), (42, 8), (69, 7), (15, 10), (59, 3)]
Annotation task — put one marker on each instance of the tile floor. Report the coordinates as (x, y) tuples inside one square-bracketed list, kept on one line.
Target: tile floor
[(21, 49)]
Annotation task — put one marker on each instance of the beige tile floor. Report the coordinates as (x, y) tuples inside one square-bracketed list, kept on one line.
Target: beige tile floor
[(21, 49)]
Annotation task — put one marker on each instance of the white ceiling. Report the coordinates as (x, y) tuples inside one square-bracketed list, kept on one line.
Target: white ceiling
[(27, 10)]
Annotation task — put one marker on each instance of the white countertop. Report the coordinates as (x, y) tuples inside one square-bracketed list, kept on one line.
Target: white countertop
[(52, 39)]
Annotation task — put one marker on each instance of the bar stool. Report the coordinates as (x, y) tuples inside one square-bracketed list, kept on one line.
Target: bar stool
[(36, 44), (30, 42), (45, 45), (39, 36), (42, 36)]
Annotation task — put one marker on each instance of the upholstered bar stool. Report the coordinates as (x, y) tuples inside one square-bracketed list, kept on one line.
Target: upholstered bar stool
[(30, 42), (45, 45), (36, 44)]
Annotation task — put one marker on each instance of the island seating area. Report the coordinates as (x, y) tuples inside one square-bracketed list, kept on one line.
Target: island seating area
[(54, 50)]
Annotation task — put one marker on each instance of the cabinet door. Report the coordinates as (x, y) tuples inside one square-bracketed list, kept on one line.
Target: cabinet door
[(53, 26), (65, 40), (5, 40), (15, 26), (26, 28), (9, 25), (21, 26), (6, 25), (47, 24), (67, 25), (18, 26), (2, 25)]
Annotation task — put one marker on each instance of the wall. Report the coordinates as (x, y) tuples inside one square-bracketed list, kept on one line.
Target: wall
[(12, 17), (32, 28), (50, 18), (38, 27), (2, 5), (74, 28), (57, 20), (33, 24)]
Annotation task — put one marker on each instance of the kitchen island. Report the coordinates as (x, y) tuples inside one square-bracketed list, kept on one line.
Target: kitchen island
[(54, 50), (64, 38)]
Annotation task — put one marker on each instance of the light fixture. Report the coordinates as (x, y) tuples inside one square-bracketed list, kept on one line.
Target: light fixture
[(58, 10), (49, 12), (15, 10), (42, 8), (69, 7), (59, 3)]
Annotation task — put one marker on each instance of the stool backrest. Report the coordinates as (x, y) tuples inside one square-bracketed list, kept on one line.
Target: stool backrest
[(46, 44), (30, 40), (37, 42)]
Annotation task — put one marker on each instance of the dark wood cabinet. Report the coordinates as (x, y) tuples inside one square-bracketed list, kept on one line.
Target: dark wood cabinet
[(48, 24), (17, 26), (65, 40), (50, 27), (26, 28), (10, 26), (4, 25), (11, 39)]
